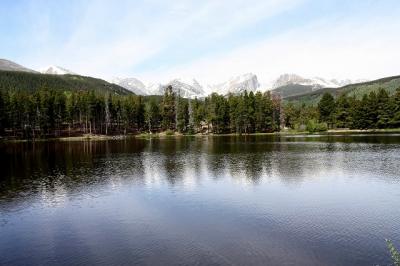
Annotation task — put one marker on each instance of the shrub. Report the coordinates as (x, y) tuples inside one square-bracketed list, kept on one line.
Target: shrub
[(169, 132), (313, 126)]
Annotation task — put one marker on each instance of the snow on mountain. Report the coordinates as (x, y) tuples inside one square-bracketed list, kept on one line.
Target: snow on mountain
[(155, 88), (236, 85), (190, 88), (186, 88), (56, 70), (132, 84), (315, 82)]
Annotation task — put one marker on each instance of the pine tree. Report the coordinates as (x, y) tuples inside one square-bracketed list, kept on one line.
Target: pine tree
[(326, 108), (168, 109), (152, 116), (383, 109), (342, 114), (395, 103), (182, 115)]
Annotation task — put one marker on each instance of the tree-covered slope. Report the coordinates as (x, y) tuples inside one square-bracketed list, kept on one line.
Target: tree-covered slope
[(390, 84), (293, 90), (13, 80)]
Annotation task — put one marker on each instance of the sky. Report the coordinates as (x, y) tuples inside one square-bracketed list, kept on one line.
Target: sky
[(210, 40)]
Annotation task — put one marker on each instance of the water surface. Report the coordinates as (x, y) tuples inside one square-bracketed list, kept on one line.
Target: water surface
[(251, 200)]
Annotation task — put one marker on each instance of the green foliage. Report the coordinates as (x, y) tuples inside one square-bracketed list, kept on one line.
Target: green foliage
[(169, 132), (182, 116), (326, 108), (25, 81), (296, 117), (292, 90), (393, 253), (373, 110), (169, 109), (342, 115), (54, 112), (314, 126), (152, 115)]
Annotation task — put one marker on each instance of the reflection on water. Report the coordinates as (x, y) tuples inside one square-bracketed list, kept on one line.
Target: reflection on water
[(251, 200)]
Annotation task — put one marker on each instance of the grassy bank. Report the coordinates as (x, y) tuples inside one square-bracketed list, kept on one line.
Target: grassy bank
[(171, 134), (85, 137), (280, 133)]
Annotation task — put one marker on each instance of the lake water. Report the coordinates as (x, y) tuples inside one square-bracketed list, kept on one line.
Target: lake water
[(251, 200)]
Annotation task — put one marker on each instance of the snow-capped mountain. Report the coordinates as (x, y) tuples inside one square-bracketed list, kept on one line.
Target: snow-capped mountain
[(315, 82), (56, 70), (190, 88), (154, 88), (247, 82), (132, 84), (185, 88)]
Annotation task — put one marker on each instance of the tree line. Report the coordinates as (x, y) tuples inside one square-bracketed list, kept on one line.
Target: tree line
[(372, 111), (50, 112)]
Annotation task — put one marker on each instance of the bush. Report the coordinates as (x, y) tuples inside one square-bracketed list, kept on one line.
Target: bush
[(313, 126), (169, 132)]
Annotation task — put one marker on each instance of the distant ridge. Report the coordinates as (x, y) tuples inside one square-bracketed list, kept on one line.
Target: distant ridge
[(357, 89), (7, 65), (289, 86), (18, 80)]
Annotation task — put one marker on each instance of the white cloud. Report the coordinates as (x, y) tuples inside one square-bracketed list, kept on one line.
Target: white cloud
[(112, 40), (339, 49)]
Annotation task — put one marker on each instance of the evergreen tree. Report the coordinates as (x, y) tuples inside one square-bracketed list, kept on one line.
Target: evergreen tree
[(198, 112), (152, 116), (384, 109), (326, 108), (342, 112), (395, 103), (182, 115), (168, 109)]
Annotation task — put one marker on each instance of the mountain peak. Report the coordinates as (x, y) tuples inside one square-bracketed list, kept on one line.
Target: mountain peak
[(315, 82), (189, 88), (56, 70), (132, 84), (238, 84)]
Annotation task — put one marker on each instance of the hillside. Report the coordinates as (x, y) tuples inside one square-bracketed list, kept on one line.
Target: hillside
[(34, 81), (7, 65), (359, 89), (293, 90)]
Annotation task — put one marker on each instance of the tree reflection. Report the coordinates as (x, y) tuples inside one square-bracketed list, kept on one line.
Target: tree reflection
[(64, 169)]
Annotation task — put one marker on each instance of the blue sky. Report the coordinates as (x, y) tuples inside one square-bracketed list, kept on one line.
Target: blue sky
[(211, 40)]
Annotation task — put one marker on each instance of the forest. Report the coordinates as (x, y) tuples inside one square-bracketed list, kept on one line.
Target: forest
[(376, 110), (53, 112)]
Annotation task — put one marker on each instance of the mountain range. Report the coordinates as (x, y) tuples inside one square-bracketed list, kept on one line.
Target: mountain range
[(286, 85)]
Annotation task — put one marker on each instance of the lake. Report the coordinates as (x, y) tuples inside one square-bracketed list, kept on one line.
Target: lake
[(249, 200)]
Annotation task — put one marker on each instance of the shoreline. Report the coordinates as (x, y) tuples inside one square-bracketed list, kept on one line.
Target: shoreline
[(94, 137)]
